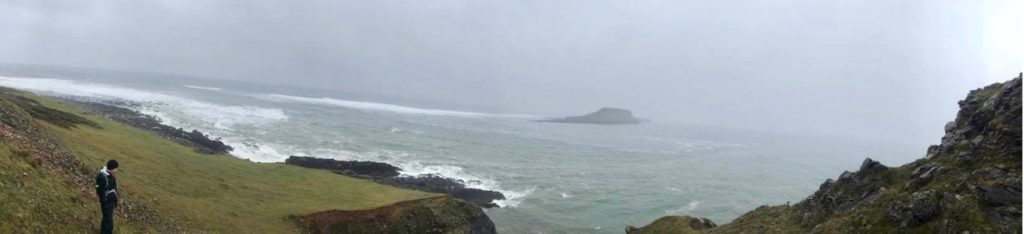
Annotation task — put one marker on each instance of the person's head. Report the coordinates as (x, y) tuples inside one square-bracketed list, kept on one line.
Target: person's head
[(112, 166)]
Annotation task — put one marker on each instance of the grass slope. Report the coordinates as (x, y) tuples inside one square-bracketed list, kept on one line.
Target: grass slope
[(204, 192), (34, 200)]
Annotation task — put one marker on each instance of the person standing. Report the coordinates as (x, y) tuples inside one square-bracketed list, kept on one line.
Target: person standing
[(106, 189)]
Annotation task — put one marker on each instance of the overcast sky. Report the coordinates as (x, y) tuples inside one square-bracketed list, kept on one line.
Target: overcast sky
[(874, 69)]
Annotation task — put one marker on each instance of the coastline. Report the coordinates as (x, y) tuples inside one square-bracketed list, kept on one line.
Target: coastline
[(160, 197), (380, 172)]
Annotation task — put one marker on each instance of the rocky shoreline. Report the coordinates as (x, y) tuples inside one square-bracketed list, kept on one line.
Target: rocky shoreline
[(195, 139), (379, 172), (53, 188), (388, 174)]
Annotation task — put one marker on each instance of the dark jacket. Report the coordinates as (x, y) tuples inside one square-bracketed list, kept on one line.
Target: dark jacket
[(106, 188)]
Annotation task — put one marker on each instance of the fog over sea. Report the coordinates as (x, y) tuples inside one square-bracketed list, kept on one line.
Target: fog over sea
[(559, 178)]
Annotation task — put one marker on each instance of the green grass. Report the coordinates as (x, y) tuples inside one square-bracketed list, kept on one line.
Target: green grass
[(668, 224), (41, 112), (208, 192), (34, 200)]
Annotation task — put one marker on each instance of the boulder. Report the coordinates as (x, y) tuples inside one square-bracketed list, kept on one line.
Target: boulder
[(922, 175), (870, 166), (924, 206), (894, 213), (1000, 194)]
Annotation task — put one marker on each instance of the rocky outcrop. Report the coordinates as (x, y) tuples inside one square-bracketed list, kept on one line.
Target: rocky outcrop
[(387, 174), (362, 169), (195, 139), (454, 187), (969, 183), (605, 115), (851, 190), (429, 215), (674, 224)]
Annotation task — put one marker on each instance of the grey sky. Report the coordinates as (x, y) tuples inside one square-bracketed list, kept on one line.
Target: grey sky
[(875, 69)]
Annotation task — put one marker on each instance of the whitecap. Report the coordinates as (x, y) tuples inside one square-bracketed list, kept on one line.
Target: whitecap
[(203, 87), (222, 121), (513, 198), (154, 103), (412, 165), (690, 207), (373, 106), (218, 121)]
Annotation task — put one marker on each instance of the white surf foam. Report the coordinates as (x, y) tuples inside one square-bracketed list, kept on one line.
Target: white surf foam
[(167, 107), (224, 121), (513, 198), (685, 209), (412, 166), (203, 87), (373, 106), (692, 205), (213, 119), (255, 151), (72, 88)]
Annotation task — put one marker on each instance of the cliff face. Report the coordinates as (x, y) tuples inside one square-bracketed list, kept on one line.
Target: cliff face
[(969, 182)]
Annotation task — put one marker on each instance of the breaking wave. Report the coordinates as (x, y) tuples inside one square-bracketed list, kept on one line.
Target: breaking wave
[(234, 125), (412, 165), (213, 119), (203, 87), (373, 106)]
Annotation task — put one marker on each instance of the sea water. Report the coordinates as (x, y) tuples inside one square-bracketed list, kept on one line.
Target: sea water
[(558, 178)]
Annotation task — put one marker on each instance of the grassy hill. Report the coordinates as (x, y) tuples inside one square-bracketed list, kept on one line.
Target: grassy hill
[(49, 153)]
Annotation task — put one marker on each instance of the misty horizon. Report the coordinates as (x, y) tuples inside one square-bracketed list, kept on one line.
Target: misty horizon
[(797, 68), (511, 116)]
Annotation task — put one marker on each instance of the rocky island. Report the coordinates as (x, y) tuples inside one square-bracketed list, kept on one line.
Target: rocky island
[(605, 115), (969, 183)]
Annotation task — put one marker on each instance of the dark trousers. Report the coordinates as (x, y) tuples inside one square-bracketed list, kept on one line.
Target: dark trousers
[(107, 225)]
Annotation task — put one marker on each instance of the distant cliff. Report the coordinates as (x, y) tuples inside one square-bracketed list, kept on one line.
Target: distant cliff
[(970, 183), (605, 115)]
